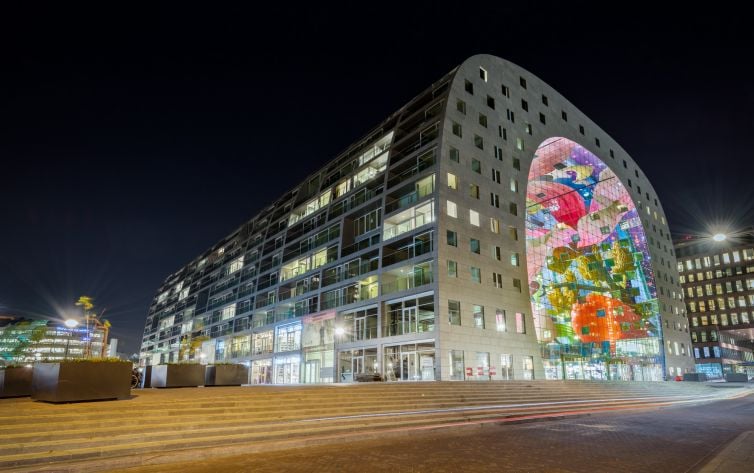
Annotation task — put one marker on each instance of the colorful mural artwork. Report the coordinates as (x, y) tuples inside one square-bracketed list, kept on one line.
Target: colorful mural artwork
[(591, 283)]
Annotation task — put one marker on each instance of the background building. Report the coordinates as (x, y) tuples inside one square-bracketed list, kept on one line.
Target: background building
[(718, 284), (26, 340), (486, 230)]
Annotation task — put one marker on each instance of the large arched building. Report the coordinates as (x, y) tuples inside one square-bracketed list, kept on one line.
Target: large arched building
[(486, 230)]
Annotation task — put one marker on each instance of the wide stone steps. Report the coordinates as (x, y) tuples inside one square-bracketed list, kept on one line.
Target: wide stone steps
[(87, 429), (29, 453), (36, 433)]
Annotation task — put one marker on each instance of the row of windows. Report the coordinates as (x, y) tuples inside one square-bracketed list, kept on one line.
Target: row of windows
[(738, 285), (712, 305), (722, 319), (476, 274), (502, 322), (735, 256), (719, 273)]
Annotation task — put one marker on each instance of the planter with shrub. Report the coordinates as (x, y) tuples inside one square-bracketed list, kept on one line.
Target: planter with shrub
[(15, 381), (177, 375), (226, 374), (81, 380)]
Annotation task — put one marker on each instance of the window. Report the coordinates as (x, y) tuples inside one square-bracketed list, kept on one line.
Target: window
[(522, 81), (510, 115), (494, 200), (514, 259), (474, 217), (483, 74), (513, 233), (478, 312), (545, 101), (469, 87), (461, 106), (496, 252), (542, 119), (494, 225), (505, 91), (483, 120), (476, 166), (517, 284), (528, 130), (454, 155), (474, 191), (452, 209), (496, 175), (581, 129), (476, 275), (564, 116), (452, 181), (612, 154), (452, 238), (474, 246), (514, 185), (519, 144), (457, 130), (454, 312), (497, 280), (478, 142), (525, 105), (520, 323), (490, 102), (500, 320), (452, 269), (597, 142), (513, 208)]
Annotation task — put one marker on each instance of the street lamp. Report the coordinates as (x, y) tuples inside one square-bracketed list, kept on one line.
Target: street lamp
[(71, 324), (719, 237)]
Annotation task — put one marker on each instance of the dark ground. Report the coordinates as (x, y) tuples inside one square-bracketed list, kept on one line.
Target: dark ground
[(675, 439)]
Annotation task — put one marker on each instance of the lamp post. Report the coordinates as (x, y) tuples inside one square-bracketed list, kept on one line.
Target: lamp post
[(71, 324)]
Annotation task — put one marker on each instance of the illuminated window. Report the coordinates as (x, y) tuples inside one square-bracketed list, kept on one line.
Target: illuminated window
[(501, 324), (474, 191), (476, 274), (478, 312), (454, 312), (483, 74), (494, 225), (452, 210), (520, 323), (514, 259), (474, 217), (452, 181)]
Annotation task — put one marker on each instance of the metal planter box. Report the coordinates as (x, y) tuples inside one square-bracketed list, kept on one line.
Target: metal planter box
[(694, 377), (226, 375), (15, 382), (81, 381), (177, 376), (736, 378)]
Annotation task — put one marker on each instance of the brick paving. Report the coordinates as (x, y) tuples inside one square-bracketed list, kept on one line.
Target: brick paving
[(675, 439)]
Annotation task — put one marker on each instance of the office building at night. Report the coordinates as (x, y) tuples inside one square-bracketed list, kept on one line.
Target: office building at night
[(26, 341), (718, 283), (486, 230)]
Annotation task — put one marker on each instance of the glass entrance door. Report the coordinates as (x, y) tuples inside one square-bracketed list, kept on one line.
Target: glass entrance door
[(311, 371)]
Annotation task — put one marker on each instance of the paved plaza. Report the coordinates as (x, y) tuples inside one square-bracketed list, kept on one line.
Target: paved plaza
[(712, 437)]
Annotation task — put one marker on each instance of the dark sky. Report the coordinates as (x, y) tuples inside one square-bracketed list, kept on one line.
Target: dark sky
[(132, 140)]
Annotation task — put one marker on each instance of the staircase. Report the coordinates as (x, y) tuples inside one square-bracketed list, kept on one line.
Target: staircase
[(180, 424)]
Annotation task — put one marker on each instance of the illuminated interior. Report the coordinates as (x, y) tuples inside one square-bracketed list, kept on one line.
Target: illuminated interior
[(592, 288)]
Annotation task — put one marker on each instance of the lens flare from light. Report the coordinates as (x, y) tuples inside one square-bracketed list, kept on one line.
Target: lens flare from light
[(719, 237)]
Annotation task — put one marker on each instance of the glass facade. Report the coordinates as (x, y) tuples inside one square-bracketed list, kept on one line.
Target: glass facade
[(591, 283)]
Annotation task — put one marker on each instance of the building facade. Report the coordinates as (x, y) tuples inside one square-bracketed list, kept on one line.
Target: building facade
[(26, 341), (486, 230), (718, 284)]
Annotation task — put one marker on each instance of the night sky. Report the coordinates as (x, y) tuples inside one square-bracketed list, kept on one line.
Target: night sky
[(133, 140)]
